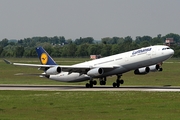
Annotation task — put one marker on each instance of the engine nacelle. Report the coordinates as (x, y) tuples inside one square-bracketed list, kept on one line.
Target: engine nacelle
[(53, 71), (154, 68), (142, 71), (95, 72)]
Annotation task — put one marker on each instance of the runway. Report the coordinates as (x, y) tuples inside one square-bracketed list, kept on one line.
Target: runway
[(95, 88)]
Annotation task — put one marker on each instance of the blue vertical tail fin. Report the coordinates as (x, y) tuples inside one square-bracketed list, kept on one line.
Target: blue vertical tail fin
[(44, 57)]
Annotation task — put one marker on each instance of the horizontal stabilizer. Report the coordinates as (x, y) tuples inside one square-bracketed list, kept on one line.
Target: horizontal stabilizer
[(6, 61), (24, 74)]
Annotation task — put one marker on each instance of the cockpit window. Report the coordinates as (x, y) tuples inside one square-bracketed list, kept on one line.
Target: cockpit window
[(165, 48)]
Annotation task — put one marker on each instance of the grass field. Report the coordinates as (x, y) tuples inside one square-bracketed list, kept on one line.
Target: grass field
[(56, 105), (36, 105)]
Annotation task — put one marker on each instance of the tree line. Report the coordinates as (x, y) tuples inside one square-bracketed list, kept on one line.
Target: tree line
[(82, 47)]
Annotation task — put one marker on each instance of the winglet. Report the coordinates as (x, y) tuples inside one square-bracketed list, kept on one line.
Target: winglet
[(8, 62)]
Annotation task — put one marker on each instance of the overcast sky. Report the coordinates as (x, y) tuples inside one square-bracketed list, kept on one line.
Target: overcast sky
[(72, 19)]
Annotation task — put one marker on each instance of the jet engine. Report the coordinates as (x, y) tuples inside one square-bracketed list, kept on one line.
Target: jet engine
[(154, 68), (95, 72), (53, 70), (142, 71)]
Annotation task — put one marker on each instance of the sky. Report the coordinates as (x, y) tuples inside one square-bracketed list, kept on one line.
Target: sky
[(73, 19)]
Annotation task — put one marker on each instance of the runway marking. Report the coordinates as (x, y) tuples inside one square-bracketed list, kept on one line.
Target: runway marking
[(95, 88)]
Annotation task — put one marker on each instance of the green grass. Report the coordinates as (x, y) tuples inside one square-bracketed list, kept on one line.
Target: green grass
[(35, 105), (58, 105)]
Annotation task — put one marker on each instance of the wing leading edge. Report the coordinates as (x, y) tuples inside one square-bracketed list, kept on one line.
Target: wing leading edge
[(48, 62)]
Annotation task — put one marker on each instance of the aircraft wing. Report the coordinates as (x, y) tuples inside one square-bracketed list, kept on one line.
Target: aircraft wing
[(70, 69)]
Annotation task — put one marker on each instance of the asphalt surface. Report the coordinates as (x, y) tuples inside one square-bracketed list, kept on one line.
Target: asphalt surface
[(83, 88)]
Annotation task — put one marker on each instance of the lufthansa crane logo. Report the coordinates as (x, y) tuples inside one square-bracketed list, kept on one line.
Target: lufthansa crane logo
[(44, 58)]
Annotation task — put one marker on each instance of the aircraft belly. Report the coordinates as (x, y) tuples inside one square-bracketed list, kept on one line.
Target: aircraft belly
[(73, 77), (115, 71), (157, 59)]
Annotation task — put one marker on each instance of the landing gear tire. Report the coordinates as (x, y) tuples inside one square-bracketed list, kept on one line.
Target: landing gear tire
[(87, 85), (118, 85), (122, 81), (91, 83), (95, 82), (114, 84), (118, 82), (91, 86), (102, 82), (160, 69)]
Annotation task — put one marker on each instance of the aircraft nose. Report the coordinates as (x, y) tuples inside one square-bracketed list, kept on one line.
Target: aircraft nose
[(171, 52)]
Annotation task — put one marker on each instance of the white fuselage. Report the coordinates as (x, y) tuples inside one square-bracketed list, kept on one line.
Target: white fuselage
[(119, 63)]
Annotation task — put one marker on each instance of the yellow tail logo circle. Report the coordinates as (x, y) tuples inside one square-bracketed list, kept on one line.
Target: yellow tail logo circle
[(44, 58)]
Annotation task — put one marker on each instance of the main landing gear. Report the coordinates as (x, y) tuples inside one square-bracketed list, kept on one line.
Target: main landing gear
[(118, 81), (102, 81), (91, 83)]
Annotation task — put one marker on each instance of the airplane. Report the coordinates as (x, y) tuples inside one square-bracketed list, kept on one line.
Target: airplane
[(142, 61)]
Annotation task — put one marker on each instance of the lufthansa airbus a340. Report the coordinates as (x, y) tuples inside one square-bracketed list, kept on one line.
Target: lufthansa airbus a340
[(142, 61)]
